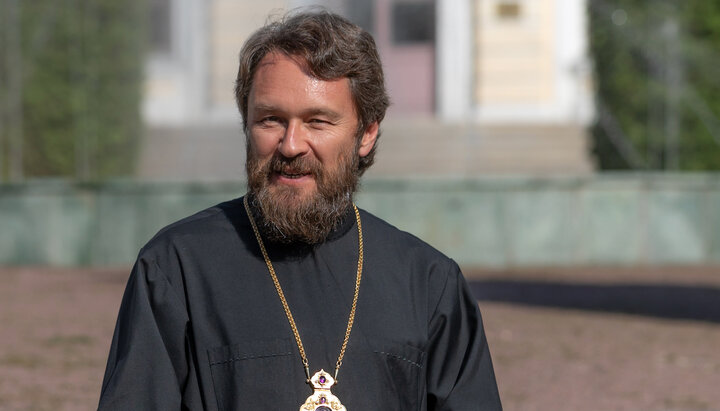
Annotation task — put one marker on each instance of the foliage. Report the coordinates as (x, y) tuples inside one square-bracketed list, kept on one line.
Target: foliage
[(658, 84), (81, 86)]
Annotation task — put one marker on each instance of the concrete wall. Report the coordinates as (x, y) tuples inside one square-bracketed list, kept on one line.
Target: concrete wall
[(499, 222)]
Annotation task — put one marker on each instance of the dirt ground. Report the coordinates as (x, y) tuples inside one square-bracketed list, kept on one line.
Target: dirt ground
[(56, 326)]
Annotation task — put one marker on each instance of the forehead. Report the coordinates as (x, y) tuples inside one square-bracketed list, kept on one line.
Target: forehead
[(284, 81)]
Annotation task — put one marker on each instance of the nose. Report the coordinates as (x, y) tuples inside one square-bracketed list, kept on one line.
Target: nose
[(294, 141)]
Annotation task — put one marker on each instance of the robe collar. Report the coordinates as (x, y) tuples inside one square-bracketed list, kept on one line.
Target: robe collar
[(347, 222)]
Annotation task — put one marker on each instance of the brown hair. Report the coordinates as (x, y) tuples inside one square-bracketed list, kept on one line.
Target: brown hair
[(332, 48)]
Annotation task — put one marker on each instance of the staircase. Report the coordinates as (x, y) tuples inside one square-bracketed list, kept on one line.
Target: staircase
[(428, 147), (418, 147)]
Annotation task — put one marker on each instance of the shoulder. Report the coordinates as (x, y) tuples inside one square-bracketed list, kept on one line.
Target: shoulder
[(407, 262), (217, 221), (400, 243)]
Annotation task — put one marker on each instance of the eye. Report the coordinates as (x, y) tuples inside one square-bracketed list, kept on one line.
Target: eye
[(269, 120), (319, 122)]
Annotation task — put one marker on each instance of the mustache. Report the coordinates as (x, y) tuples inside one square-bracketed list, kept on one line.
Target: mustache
[(295, 165)]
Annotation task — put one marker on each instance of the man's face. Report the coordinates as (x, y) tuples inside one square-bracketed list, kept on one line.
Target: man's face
[(303, 148)]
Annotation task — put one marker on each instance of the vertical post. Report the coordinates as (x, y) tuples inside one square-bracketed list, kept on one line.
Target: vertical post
[(673, 80), (14, 80), (3, 88), (653, 159), (79, 70), (454, 58)]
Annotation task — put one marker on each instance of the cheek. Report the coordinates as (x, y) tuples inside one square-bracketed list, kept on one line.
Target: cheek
[(262, 144), (331, 148)]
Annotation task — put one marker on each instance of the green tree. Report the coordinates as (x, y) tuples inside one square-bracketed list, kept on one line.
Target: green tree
[(80, 65), (658, 96)]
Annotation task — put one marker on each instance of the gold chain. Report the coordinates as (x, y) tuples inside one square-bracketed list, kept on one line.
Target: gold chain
[(285, 305)]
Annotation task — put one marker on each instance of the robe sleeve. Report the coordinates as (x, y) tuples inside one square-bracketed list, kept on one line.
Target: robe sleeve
[(460, 374), (149, 365)]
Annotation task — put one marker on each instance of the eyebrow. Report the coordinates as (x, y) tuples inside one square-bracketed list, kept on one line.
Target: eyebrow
[(313, 111), (330, 114)]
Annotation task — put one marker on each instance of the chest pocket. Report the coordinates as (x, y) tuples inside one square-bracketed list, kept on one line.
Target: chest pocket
[(251, 375), (405, 368)]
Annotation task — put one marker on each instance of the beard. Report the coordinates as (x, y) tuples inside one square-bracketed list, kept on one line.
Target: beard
[(287, 214)]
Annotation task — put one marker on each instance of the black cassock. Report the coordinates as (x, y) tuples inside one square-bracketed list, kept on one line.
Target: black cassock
[(202, 327)]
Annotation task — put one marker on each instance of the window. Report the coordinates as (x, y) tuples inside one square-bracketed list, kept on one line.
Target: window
[(160, 27), (508, 10), (413, 22), (362, 14)]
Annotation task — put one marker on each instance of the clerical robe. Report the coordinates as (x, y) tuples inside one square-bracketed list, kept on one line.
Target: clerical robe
[(201, 326)]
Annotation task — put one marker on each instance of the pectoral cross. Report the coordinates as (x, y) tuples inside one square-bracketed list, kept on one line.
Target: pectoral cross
[(322, 399)]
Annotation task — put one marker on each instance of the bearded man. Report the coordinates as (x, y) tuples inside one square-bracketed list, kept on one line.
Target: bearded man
[(290, 297)]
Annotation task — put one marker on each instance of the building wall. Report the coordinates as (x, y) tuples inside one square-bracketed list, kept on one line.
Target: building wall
[(193, 84), (515, 52), (174, 90), (520, 60), (232, 23), (527, 74), (531, 62)]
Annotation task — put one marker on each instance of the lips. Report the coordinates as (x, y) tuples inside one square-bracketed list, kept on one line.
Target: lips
[(295, 169), (293, 175), (292, 172)]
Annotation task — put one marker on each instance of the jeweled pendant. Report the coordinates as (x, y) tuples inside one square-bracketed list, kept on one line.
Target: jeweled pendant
[(322, 399)]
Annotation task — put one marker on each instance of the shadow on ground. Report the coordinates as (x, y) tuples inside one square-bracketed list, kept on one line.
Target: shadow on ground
[(700, 303)]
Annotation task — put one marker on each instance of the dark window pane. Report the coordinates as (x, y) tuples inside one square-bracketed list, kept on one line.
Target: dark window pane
[(413, 22), (160, 30), (361, 13), (508, 10)]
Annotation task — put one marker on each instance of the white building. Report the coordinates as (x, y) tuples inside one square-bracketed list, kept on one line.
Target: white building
[(477, 86)]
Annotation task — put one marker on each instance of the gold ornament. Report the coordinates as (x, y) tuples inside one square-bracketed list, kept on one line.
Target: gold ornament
[(322, 399)]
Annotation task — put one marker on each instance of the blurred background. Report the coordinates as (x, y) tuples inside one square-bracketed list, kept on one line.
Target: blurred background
[(563, 152)]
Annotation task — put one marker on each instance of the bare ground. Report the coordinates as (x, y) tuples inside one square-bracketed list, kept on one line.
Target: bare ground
[(56, 326)]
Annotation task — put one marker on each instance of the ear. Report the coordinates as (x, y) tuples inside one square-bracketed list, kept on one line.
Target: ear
[(368, 139)]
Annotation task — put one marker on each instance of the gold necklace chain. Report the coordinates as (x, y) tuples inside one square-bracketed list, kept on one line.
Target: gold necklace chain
[(285, 305)]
